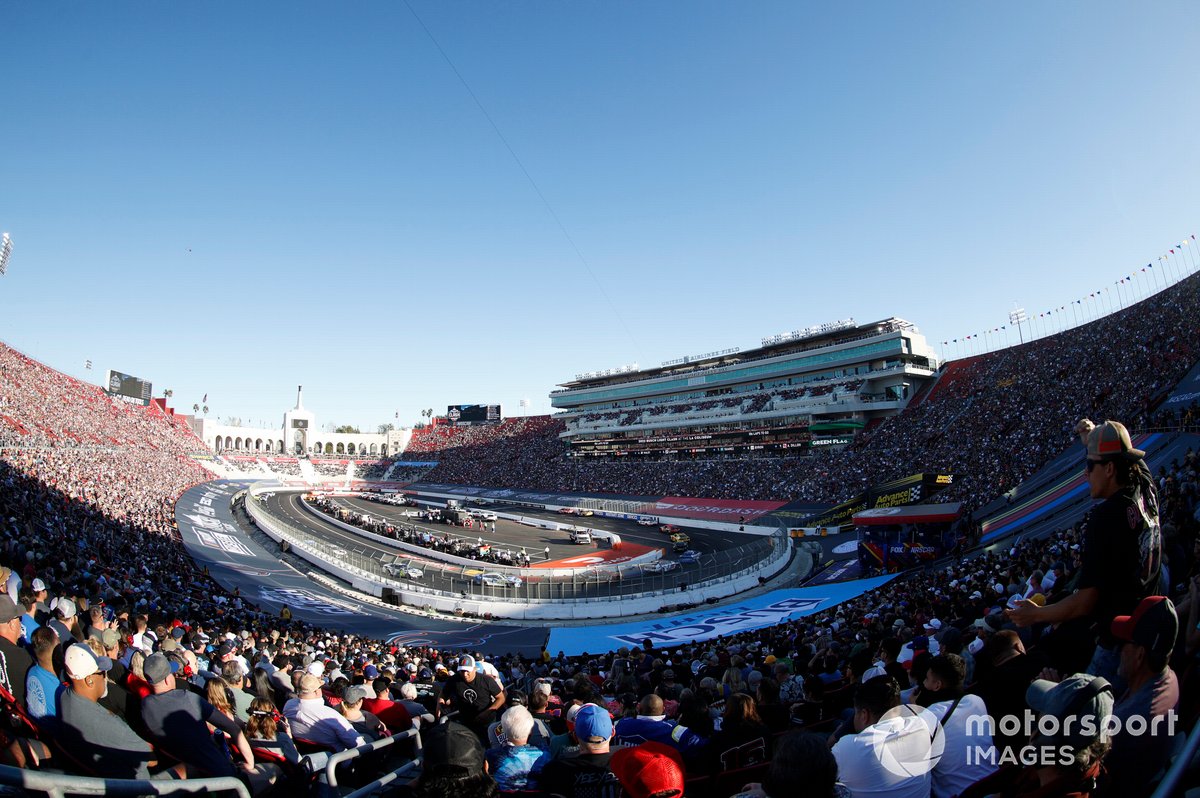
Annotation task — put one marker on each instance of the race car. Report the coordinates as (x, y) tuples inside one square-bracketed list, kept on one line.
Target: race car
[(660, 566), (689, 557), (669, 529), (566, 511), (497, 580), (680, 541), (584, 511), (406, 571)]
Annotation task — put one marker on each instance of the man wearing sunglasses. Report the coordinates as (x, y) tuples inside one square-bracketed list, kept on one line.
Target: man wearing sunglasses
[(1122, 545)]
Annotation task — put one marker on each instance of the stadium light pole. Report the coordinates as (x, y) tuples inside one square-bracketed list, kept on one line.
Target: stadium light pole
[(5, 252), (1017, 316)]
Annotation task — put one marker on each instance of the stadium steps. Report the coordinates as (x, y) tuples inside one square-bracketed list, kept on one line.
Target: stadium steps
[(307, 472), (1058, 497)]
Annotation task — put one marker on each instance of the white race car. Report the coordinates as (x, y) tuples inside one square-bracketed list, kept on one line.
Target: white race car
[(660, 566), (406, 571), (498, 580)]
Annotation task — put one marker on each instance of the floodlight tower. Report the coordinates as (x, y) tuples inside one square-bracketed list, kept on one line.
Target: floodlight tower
[(5, 252), (1017, 316)]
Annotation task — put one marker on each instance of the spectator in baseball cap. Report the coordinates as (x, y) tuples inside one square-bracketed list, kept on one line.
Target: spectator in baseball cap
[(1122, 547), (1077, 747), (177, 722), (588, 773), (14, 660), (649, 770), (97, 738), (1152, 697)]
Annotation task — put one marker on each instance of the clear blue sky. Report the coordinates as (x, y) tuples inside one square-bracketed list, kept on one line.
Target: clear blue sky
[(235, 198)]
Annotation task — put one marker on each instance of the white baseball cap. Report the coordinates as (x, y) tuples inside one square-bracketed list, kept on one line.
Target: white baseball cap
[(80, 662)]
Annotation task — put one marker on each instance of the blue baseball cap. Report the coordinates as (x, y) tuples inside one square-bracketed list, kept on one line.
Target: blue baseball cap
[(593, 724)]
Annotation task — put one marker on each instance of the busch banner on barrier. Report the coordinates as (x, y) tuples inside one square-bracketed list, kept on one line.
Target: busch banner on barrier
[(769, 610)]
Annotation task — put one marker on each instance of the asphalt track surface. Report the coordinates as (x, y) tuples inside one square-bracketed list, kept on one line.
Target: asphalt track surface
[(215, 540), (456, 579)]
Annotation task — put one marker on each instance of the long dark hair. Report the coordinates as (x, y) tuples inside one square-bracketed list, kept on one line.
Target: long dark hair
[(740, 710)]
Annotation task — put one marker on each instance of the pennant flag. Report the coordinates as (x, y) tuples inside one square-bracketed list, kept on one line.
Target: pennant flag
[(205, 399), (1172, 252)]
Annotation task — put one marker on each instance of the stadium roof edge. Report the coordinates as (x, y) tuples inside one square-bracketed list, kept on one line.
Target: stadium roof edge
[(894, 322)]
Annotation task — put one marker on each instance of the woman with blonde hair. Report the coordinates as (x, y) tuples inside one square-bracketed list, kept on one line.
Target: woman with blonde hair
[(732, 682), (135, 680), (218, 694)]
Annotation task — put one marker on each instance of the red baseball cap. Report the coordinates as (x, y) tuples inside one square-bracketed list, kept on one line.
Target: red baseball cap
[(1154, 624)]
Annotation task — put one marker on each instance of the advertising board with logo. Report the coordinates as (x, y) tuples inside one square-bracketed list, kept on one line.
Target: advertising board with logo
[(769, 610)]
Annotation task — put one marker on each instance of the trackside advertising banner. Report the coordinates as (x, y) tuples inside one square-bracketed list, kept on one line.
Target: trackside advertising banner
[(897, 493), (1186, 392), (757, 613), (712, 509)]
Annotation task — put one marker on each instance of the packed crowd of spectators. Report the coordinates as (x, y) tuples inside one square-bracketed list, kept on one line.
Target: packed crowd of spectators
[(289, 467), (43, 407), (770, 705), (999, 418), (92, 560), (371, 469), (331, 470), (247, 465)]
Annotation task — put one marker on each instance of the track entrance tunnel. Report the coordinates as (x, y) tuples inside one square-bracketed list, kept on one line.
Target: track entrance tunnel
[(892, 539)]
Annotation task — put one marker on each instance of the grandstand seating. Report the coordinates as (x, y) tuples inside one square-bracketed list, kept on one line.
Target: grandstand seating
[(993, 419), (88, 487)]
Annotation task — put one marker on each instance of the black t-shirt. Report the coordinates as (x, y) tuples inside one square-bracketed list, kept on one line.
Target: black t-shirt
[(15, 663), (427, 695), (582, 776), (1122, 557), (471, 698)]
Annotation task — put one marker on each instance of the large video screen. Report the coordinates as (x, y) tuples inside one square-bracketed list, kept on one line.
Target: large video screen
[(128, 387), (473, 414)]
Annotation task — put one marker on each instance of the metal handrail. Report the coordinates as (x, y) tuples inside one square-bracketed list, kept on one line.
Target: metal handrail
[(58, 785), (384, 780), (355, 753), (1179, 768)]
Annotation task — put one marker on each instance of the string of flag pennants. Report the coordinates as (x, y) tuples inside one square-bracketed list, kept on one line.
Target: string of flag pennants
[(1172, 266)]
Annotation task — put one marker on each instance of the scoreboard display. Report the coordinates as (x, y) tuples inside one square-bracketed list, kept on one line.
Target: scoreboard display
[(127, 387), (473, 414)]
